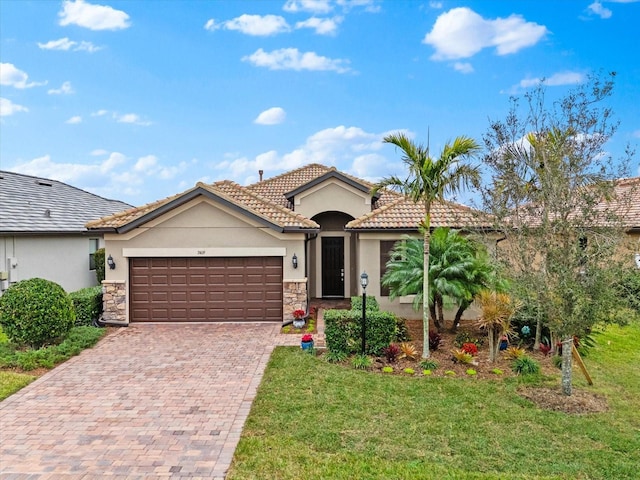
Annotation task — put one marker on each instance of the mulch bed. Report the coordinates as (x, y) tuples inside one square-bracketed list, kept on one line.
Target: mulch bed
[(580, 402)]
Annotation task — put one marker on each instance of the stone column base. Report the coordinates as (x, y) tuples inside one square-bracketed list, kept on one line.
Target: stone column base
[(114, 302), (294, 297)]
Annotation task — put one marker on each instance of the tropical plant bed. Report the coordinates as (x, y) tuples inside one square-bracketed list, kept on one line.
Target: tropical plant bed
[(482, 369)]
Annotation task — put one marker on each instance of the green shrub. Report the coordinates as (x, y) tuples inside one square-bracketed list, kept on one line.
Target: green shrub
[(372, 304), (409, 371), (3, 337), (77, 340), (335, 357), (402, 331), (343, 330), (387, 369), (361, 362), (429, 365), (525, 366), (629, 287), (36, 312), (98, 256), (88, 304)]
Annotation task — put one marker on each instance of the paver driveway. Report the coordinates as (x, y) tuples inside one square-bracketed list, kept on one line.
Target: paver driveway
[(148, 401)]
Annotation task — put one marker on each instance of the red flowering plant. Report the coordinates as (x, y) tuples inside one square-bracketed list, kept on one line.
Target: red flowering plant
[(298, 314), (470, 348), (307, 337)]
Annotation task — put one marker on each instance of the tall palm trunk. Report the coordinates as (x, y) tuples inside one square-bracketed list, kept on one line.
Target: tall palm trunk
[(425, 284)]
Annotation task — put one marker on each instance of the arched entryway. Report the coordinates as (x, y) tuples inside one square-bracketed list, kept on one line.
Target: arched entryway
[(332, 255)]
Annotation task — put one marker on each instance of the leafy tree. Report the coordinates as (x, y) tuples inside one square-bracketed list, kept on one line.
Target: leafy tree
[(459, 268), (429, 180), (549, 176)]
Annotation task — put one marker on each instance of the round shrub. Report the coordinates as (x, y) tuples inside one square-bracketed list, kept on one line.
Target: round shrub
[(36, 312)]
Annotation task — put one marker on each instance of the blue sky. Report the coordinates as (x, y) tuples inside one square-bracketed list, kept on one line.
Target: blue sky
[(140, 100)]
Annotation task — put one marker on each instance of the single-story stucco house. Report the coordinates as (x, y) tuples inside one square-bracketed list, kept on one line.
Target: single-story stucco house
[(43, 233), (225, 252)]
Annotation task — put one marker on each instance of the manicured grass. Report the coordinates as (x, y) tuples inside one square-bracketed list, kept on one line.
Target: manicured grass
[(312, 419), (11, 382), (12, 357)]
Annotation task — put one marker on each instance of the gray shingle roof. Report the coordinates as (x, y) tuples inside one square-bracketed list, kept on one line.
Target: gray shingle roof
[(37, 205)]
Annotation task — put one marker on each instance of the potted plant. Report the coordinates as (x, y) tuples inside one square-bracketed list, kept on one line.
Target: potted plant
[(307, 341), (298, 318)]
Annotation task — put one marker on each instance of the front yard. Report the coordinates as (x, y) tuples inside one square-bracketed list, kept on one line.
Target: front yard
[(312, 419)]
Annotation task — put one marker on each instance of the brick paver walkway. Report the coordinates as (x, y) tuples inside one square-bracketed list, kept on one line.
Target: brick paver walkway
[(150, 401)]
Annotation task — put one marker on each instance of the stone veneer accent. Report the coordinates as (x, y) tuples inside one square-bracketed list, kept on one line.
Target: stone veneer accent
[(114, 301), (294, 297)]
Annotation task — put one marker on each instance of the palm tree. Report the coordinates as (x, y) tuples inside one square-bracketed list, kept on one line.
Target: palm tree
[(459, 269), (429, 180)]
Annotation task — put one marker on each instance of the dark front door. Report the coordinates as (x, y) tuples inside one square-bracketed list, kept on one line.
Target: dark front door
[(333, 267)]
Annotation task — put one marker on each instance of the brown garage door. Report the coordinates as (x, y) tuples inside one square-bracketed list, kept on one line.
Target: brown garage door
[(206, 289)]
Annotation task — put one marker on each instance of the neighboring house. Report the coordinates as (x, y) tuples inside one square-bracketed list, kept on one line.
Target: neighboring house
[(42, 232), (225, 252), (626, 204)]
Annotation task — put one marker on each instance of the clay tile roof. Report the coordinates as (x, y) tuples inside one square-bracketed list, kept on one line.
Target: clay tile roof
[(228, 190), (625, 202), (404, 214), (275, 188), (127, 216), (260, 206)]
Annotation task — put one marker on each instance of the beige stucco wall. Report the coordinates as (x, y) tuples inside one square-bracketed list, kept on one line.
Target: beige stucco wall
[(332, 195), (63, 259)]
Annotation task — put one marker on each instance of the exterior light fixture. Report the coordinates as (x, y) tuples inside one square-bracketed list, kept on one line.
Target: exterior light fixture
[(111, 262), (364, 281), (294, 261)]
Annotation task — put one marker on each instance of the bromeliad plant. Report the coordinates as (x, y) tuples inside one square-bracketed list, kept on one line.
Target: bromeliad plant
[(299, 314), (497, 310), (307, 337), (391, 353)]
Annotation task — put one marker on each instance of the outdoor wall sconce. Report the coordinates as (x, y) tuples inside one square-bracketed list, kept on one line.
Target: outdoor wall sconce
[(294, 261), (111, 262)]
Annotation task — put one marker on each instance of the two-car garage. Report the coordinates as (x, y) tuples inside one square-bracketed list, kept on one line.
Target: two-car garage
[(205, 289)]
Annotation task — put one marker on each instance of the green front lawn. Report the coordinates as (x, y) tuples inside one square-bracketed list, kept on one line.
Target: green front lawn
[(15, 361), (312, 419)]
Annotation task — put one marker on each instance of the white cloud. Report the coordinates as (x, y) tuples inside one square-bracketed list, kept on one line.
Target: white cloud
[(65, 89), (368, 5), (7, 107), (100, 113), (115, 176), (66, 44), (132, 118), (14, 77), (271, 116), (256, 25), (144, 164), (555, 80), (461, 33), (322, 26), (463, 67), (435, 5), (314, 6), (74, 120), (351, 149), (98, 152), (211, 25), (293, 59), (597, 8), (93, 17)]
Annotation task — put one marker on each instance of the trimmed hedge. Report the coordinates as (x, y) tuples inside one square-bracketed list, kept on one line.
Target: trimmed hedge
[(343, 330), (36, 312), (372, 304), (87, 303)]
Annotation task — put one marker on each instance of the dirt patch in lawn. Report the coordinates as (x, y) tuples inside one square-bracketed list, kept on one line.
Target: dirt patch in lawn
[(579, 402)]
